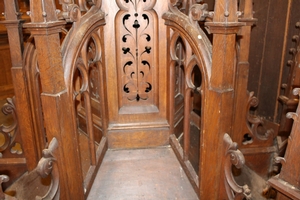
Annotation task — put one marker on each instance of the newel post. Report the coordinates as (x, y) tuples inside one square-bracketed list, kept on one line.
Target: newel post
[(14, 25), (45, 27), (218, 112)]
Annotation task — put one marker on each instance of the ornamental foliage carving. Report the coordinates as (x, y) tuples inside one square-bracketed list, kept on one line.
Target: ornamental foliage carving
[(136, 38)]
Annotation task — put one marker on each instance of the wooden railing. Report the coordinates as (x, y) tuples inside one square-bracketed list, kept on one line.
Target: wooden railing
[(82, 51), (202, 80)]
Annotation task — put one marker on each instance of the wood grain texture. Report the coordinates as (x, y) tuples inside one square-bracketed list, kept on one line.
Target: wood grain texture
[(141, 174)]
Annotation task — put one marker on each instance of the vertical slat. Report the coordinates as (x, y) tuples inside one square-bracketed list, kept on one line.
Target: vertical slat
[(89, 122), (172, 78), (186, 125)]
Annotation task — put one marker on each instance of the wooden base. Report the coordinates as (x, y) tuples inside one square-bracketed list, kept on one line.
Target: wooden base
[(138, 136), (284, 187), (186, 165)]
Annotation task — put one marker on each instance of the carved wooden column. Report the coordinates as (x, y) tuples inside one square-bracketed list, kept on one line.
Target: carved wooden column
[(45, 28), (242, 97), (287, 182), (250, 131), (218, 114), (13, 24)]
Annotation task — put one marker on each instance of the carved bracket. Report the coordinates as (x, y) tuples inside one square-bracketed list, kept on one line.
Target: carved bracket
[(254, 122), (45, 168), (236, 158)]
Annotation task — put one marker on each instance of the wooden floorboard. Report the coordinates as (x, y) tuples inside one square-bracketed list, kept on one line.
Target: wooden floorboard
[(150, 174)]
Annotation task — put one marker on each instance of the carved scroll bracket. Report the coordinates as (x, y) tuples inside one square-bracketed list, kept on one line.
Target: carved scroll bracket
[(46, 167), (71, 12), (233, 156), (11, 131), (254, 122)]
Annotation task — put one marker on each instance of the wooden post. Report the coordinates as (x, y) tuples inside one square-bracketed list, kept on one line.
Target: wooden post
[(242, 95), (218, 108), (13, 24), (57, 109)]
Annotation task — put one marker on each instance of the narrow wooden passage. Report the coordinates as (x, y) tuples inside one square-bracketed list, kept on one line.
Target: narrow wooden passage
[(141, 174)]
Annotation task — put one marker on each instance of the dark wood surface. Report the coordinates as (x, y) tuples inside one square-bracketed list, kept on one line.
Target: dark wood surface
[(269, 52)]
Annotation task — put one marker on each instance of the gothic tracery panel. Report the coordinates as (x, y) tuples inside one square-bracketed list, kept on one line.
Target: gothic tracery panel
[(136, 46)]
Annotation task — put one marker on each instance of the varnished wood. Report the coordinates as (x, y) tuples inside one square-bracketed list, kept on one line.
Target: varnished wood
[(140, 74), (140, 173)]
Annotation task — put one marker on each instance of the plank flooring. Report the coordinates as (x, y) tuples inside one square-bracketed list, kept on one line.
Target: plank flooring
[(141, 174)]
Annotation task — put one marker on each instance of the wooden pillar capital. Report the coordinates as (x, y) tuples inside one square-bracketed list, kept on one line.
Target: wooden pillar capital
[(224, 28), (47, 43), (40, 29)]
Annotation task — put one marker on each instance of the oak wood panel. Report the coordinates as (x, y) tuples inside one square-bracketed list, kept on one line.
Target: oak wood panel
[(6, 85), (139, 113)]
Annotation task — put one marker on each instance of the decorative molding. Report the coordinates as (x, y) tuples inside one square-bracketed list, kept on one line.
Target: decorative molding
[(46, 167), (236, 158)]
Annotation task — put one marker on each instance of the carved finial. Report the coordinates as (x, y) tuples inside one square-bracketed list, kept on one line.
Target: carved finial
[(292, 115), (280, 160), (226, 11), (199, 12), (296, 91), (295, 38), (293, 51)]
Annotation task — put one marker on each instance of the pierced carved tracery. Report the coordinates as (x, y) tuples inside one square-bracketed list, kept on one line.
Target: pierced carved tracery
[(136, 50), (9, 133)]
